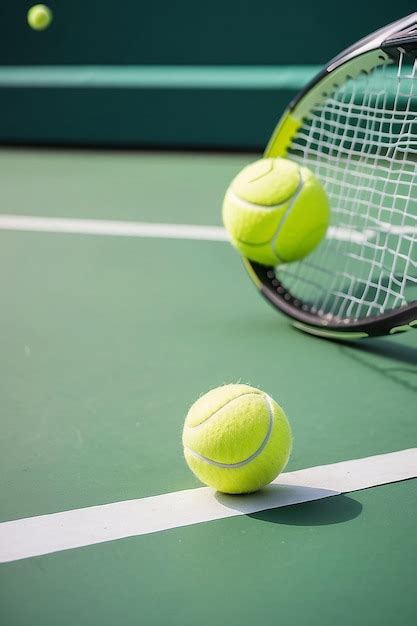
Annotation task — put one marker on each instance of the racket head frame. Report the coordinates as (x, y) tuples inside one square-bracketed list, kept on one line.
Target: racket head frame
[(365, 55)]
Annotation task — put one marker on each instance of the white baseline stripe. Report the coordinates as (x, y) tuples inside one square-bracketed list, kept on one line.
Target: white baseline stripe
[(117, 228), (34, 536), (111, 227)]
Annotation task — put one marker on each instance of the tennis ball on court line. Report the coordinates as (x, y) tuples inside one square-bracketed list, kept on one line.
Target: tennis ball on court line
[(236, 439), (275, 211), (39, 17)]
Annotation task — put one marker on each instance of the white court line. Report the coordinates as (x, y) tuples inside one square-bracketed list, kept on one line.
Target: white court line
[(118, 228), (35, 536), (111, 227)]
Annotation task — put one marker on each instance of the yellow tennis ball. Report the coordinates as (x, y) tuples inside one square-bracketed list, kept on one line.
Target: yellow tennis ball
[(236, 439), (39, 17), (275, 211)]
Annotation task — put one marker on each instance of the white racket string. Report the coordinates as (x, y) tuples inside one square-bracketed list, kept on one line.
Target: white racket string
[(361, 142)]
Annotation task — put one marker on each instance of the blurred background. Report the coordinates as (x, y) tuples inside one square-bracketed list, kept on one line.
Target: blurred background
[(164, 74)]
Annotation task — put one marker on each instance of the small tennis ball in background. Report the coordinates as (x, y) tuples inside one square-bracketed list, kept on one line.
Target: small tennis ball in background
[(236, 439), (275, 211), (39, 17)]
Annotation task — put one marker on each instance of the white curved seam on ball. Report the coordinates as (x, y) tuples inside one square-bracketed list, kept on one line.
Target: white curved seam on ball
[(247, 393), (252, 245), (253, 205), (291, 200), (253, 456), (285, 216)]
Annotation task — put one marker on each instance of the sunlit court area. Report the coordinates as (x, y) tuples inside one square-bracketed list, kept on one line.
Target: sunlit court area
[(208, 279)]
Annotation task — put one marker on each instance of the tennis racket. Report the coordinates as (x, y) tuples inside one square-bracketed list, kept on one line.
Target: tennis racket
[(355, 127)]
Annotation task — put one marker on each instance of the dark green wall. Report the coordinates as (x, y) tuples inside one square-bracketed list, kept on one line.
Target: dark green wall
[(169, 33), (190, 31)]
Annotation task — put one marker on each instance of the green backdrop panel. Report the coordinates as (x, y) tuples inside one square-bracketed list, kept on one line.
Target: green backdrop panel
[(198, 105), (189, 32)]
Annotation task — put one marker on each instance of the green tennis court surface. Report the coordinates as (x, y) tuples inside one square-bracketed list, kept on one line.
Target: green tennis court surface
[(106, 342)]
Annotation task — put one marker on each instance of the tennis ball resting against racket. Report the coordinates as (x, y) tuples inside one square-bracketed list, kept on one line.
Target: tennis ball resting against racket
[(236, 439), (275, 211)]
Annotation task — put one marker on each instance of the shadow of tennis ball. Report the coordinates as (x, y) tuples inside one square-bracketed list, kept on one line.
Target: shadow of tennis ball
[(295, 505), (317, 513)]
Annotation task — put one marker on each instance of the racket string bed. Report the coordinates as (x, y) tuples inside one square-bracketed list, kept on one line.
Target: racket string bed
[(361, 143), (322, 121), (400, 186)]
